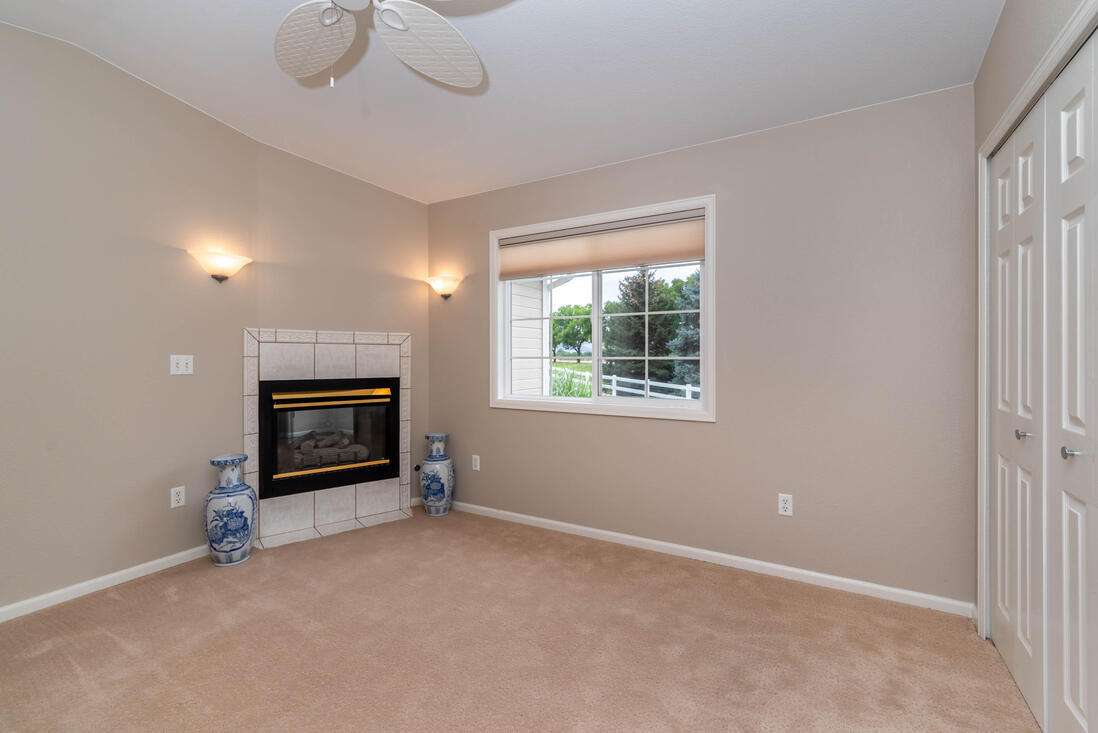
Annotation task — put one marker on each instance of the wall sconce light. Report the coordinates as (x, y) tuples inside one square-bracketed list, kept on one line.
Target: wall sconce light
[(221, 265), (444, 285)]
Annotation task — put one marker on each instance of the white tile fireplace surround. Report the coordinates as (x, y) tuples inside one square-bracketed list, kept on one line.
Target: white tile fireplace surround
[(276, 353)]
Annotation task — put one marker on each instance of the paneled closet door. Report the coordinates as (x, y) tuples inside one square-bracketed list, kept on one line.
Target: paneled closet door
[(1072, 503), (1017, 499)]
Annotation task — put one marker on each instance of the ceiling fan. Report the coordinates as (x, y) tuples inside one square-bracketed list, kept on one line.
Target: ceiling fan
[(316, 34)]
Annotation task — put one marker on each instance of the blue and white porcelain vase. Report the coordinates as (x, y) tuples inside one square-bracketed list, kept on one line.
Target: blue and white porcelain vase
[(436, 480), (230, 512)]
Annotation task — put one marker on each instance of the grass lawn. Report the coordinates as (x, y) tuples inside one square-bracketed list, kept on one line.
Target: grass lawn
[(582, 366)]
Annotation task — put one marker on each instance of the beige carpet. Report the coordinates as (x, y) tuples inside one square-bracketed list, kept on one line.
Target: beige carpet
[(468, 623)]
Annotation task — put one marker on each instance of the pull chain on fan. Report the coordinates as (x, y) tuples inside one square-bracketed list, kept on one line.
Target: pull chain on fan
[(317, 33)]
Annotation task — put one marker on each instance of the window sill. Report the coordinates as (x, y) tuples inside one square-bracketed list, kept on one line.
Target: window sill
[(695, 413)]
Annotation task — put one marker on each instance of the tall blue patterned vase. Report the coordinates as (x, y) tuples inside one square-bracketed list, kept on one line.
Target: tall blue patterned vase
[(230, 512), (436, 480)]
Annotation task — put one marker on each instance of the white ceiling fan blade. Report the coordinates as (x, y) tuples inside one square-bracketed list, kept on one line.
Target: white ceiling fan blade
[(427, 42), (304, 45)]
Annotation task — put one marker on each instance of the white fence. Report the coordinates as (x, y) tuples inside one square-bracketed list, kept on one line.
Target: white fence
[(615, 386)]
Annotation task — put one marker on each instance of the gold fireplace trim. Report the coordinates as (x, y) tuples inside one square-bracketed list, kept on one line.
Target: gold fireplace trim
[(329, 403), (326, 469), (367, 392)]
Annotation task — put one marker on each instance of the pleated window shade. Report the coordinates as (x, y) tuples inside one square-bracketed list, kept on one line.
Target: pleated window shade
[(648, 240)]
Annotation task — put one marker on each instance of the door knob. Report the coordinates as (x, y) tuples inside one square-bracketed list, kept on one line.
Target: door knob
[(1067, 453), (1019, 434)]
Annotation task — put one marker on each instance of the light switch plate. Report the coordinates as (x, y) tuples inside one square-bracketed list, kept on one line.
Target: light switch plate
[(476, 463), (181, 364)]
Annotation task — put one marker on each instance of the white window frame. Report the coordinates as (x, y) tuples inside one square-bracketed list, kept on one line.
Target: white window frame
[(703, 410)]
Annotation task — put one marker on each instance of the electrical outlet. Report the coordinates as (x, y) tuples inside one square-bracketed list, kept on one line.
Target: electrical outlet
[(785, 505), (181, 364), (178, 496), (476, 463)]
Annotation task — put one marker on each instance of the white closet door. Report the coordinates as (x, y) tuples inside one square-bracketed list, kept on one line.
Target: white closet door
[(1002, 307), (1017, 500), (1072, 494)]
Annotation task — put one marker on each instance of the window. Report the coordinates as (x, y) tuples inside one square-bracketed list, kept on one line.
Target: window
[(608, 314)]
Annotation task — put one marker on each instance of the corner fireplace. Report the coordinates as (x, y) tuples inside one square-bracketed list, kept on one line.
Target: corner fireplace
[(320, 433)]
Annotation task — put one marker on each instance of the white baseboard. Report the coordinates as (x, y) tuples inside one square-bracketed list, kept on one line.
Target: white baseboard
[(37, 603), (900, 595)]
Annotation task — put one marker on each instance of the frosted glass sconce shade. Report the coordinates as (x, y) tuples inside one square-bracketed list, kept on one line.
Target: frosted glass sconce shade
[(220, 264), (444, 285)]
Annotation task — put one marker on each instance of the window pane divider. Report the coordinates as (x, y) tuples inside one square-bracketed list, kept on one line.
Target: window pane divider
[(635, 358), (647, 381), (596, 335), (646, 313)]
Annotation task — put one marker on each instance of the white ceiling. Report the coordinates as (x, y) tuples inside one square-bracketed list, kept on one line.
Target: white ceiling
[(570, 84)]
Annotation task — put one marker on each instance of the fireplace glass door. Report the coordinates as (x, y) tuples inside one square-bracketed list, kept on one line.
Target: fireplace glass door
[(326, 435)]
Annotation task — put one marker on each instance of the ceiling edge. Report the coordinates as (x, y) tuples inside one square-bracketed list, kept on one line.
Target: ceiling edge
[(708, 142), (990, 38), (212, 117)]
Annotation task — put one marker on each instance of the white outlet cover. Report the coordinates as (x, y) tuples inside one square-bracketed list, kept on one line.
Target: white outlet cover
[(181, 364), (181, 492), (476, 463), (785, 505)]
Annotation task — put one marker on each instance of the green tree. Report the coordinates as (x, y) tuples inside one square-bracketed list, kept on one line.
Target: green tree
[(663, 296), (571, 333), (630, 294), (688, 338), (689, 292), (625, 336)]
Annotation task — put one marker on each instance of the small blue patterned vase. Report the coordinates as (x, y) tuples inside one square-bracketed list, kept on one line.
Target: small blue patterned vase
[(436, 481), (230, 513)]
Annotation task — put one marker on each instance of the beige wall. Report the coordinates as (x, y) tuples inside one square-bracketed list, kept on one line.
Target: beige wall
[(1024, 33), (846, 368), (104, 181)]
